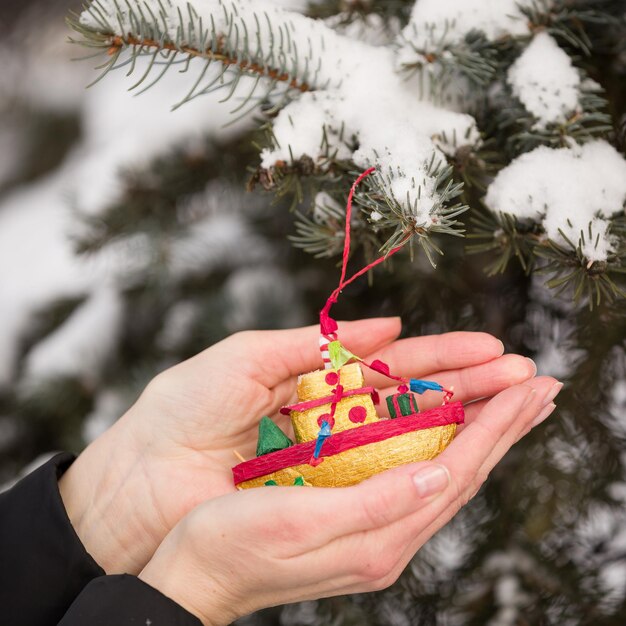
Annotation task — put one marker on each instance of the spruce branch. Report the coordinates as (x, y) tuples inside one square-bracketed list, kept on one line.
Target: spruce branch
[(475, 58), (565, 264), (322, 234), (504, 238), (396, 218), (570, 21), (243, 43), (569, 270), (384, 222)]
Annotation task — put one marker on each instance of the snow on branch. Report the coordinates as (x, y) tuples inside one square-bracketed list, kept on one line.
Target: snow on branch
[(572, 192), (341, 100), (387, 128), (457, 37), (443, 22), (546, 82), (354, 106)]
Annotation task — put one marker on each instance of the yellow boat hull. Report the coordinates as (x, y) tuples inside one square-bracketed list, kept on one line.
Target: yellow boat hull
[(357, 464)]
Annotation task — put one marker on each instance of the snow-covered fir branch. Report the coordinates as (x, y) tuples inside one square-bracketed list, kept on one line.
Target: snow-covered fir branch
[(572, 192), (414, 101)]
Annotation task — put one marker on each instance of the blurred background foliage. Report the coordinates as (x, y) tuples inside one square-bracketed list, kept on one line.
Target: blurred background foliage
[(122, 253)]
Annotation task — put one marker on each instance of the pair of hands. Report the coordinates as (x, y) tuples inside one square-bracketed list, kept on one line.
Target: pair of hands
[(154, 495)]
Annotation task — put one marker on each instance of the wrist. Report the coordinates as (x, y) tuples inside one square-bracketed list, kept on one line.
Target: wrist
[(176, 571), (108, 503)]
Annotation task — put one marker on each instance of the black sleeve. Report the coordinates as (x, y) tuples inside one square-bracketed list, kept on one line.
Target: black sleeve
[(43, 564), (125, 601), (45, 569)]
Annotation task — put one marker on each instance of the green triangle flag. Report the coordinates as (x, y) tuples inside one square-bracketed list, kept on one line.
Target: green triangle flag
[(271, 438), (339, 355)]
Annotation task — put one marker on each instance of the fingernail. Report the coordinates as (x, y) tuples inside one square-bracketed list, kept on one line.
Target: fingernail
[(431, 480), (552, 393), (501, 351), (547, 410), (533, 365)]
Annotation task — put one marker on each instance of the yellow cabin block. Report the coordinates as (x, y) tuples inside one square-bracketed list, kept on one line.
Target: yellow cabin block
[(350, 412), (313, 385)]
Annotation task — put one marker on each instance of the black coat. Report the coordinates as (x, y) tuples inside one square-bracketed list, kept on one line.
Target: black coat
[(47, 578)]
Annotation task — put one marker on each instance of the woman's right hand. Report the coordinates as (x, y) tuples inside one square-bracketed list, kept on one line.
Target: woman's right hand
[(263, 547)]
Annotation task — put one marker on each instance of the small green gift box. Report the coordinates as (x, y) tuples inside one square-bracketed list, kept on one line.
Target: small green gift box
[(401, 404)]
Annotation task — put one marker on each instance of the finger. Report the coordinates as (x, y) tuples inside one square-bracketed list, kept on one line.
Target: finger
[(421, 356), (271, 357), (478, 381), (389, 520), (336, 512), (379, 524)]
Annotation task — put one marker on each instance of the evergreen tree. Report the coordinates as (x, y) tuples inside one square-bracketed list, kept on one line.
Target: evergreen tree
[(543, 541)]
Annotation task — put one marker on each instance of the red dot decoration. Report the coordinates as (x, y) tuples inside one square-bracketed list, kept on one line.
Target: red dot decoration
[(402, 389), (332, 378), (326, 418), (357, 414)]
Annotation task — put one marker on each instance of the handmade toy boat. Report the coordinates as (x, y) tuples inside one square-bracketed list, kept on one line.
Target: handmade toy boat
[(356, 443), (340, 438)]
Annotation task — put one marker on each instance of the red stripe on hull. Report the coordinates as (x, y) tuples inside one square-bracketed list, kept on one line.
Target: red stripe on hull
[(346, 440)]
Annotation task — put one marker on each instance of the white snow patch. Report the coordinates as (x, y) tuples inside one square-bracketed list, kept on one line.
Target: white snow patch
[(510, 600), (325, 206), (177, 324), (438, 23), (218, 241), (81, 345), (123, 130), (36, 262), (545, 81), (565, 189), (371, 28), (405, 140)]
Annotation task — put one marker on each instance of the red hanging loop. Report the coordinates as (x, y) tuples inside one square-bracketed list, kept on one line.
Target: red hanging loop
[(328, 326)]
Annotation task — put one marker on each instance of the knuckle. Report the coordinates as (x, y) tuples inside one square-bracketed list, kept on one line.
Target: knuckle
[(375, 508), (457, 492), (472, 488), (481, 477), (374, 566)]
